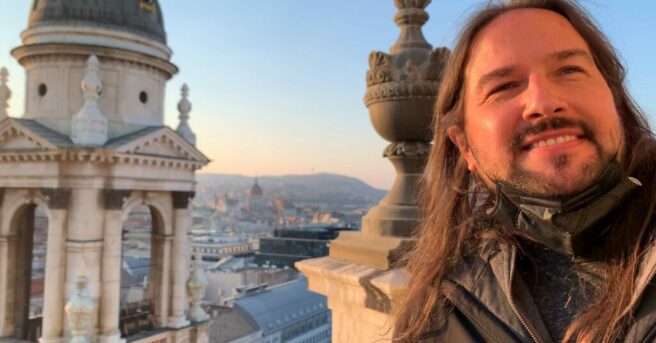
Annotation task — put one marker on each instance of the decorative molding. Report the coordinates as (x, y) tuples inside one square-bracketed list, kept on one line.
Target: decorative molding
[(72, 155), (407, 149), (50, 52), (181, 199), (114, 199), (401, 90), (57, 198), (385, 82)]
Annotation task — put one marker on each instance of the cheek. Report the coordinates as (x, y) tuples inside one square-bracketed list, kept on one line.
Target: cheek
[(492, 129)]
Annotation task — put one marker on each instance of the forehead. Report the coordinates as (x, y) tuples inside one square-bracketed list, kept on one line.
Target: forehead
[(522, 36)]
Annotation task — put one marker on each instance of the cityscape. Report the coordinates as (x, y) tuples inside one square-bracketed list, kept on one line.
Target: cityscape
[(127, 217)]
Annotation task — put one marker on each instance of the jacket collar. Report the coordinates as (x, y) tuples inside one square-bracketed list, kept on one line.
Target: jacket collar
[(488, 290)]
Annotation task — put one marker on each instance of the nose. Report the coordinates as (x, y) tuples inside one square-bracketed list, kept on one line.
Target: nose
[(541, 99)]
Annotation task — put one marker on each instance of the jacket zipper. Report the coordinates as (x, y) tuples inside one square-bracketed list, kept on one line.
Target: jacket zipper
[(512, 301), (641, 290)]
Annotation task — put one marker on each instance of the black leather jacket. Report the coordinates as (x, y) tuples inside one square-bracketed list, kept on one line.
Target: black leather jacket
[(491, 304)]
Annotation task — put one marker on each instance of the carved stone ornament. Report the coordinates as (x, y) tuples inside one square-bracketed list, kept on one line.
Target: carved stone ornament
[(114, 199), (387, 82), (196, 287), (5, 93), (184, 106), (407, 149), (78, 310), (57, 198), (181, 199), (412, 69), (89, 125)]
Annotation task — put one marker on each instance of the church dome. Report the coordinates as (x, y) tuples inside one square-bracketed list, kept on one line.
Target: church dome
[(141, 17), (256, 190)]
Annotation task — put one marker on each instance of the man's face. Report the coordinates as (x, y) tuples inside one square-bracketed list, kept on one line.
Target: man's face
[(538, 114)]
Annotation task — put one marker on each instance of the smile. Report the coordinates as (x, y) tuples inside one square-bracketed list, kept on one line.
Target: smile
[(553, 141)]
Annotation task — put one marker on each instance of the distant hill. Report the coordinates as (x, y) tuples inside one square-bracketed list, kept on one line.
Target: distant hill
[(314, 188)]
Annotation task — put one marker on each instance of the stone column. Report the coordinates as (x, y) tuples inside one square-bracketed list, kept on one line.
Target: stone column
[(180, 258), (113, 201), (6, 240), (361, 277), (161, 277), (84, 244), (53, 293)]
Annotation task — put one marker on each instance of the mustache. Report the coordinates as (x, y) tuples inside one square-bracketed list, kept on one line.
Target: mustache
[(550, 124)]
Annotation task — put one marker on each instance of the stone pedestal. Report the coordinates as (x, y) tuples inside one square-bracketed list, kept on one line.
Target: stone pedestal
[(359, 296)]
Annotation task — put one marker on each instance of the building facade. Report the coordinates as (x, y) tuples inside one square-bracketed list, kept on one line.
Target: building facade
[(90, 148)]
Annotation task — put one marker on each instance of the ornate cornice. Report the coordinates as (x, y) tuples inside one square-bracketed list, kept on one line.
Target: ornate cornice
[(182, 199), (42, 52), (57, 198), (99, 156), (414, 149), (114, 199)]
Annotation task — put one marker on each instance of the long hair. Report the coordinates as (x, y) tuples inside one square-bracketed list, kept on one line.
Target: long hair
[(452, 227)]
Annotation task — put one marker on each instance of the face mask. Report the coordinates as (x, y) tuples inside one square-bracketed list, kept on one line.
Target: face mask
[(568, 224)]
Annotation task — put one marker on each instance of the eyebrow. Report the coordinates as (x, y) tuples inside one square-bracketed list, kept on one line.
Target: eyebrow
[(565, 54), (495, 74), (507, 70)]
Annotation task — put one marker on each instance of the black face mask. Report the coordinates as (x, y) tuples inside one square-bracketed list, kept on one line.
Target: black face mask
[(568, 224)]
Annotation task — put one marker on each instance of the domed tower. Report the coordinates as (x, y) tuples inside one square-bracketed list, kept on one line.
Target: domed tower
[(129, 40), (90, 149)]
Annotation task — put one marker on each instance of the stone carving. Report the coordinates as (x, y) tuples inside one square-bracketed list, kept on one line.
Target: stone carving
[(78, 310), (407, 149), (57, 198), (5, 93), (412, 69), (114, 199), (401, 90), (196, 287), (184, 106), (89, 126), (181, 199), (411, 3)]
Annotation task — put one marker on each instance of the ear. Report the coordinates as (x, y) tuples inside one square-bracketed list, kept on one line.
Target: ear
[(457, 136)]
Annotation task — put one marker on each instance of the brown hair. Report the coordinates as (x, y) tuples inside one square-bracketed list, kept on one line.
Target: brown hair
[(452, 222)]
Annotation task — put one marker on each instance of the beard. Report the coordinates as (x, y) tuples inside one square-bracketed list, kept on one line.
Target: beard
[(535, 183)]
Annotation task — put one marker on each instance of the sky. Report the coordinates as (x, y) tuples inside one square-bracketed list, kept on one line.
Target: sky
[(277, 86)]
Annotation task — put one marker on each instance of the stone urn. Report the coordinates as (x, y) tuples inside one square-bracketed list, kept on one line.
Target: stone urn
[(78, 310), (401, 91), (196, 287)]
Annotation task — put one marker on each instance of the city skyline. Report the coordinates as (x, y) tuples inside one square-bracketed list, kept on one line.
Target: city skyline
[(277, 88)]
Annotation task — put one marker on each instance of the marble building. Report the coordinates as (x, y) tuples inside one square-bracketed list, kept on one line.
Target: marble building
[(90, 148)]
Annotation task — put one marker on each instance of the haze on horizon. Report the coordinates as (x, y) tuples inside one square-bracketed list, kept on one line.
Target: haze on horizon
[(277, 87)]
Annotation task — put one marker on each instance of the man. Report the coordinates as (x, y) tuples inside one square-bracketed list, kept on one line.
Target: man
[(540, 191)]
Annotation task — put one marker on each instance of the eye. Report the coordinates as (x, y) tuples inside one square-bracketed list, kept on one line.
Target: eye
[(503, 87), (569, 70)]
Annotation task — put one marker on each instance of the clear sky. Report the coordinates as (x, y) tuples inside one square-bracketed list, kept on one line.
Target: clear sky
[(277, 86)]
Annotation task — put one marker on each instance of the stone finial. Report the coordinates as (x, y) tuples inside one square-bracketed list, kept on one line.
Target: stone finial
[(89, 125), (5, 93), (79, 309), (196, 286), (410, 18), (184, 106)]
